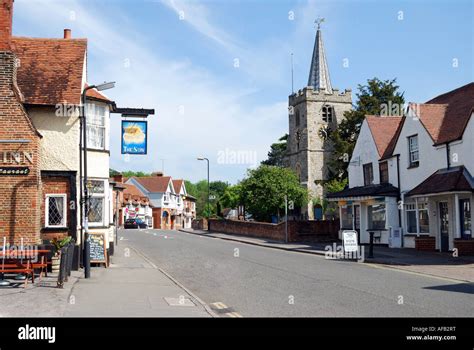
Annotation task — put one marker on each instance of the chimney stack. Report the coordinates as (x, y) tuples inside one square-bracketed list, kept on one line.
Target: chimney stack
[(67, 33), (157, 173), (118, 178), (6, 15)]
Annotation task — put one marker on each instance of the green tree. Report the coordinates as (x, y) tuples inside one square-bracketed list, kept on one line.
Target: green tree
[(277, 152), (263, 191), (231, 197), (130, 173), (376, 98)]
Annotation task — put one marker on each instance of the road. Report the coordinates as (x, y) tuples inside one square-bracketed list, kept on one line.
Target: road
[(263, 282)]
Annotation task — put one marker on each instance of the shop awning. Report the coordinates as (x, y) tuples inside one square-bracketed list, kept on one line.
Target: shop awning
[(364, 192), (457, 179)]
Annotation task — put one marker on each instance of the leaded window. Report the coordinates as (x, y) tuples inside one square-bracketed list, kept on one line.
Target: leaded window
[(56, 210)]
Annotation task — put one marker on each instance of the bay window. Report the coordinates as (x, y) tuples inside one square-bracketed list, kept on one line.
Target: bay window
[(423, 218)]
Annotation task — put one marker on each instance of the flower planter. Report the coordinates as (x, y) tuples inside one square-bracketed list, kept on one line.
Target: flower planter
[(55, 263)]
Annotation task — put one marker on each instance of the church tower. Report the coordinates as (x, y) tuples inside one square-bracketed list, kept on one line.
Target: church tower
[(312, 111)]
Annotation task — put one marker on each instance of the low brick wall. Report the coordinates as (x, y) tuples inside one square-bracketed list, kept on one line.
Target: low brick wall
[(464, 246), (200, 224), (297, 230), (426, 244)]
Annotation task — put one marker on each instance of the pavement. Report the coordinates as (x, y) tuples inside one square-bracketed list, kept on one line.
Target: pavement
[(240, 279), (428, 263), (131, 286)]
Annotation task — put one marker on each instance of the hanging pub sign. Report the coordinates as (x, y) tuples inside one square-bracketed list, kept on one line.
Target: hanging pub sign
[(134, 137)]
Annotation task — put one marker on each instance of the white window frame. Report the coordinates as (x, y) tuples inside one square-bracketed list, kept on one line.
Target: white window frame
[(46, 217), (413, 149), (92, 117), (103, 196)]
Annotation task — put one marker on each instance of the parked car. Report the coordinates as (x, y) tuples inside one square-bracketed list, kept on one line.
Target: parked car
[(135, 223)]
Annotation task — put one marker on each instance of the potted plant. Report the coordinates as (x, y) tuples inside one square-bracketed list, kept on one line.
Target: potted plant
[(56, 258)]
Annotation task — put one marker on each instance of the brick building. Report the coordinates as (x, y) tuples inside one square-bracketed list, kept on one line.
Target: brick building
[(41, 83)]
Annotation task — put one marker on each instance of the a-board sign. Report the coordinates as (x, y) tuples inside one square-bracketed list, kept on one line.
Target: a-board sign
[(98, 249), (349, 238)]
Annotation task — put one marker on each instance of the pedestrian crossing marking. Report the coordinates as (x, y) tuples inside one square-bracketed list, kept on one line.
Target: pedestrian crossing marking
[(234, 315)]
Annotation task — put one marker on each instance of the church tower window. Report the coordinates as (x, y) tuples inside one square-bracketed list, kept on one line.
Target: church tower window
[(328, 113)]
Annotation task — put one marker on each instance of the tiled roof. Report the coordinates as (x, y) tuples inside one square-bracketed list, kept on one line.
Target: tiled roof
[(460, 106), (50, 70), (94, 94), (445, 180), (378, 190), (131, 189), (431, 116), (177, 185), (154, 183), (385, 132)]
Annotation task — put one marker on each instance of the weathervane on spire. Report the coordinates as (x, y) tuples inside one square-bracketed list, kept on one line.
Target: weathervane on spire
[(318, 21)]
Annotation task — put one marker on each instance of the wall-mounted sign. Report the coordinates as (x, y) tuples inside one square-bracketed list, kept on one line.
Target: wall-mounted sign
[(134, 137), (16, 157), (14, 171)]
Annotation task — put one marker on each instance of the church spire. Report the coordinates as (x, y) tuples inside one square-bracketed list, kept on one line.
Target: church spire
[(319, 72)]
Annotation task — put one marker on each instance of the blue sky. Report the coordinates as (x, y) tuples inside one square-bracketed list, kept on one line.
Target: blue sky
[(218, 72)]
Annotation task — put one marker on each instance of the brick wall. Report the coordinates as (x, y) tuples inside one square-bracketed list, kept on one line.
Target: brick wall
[(199, 224), (464, 246), (297, 230), (20, 194), (54, 185), (427, 244)]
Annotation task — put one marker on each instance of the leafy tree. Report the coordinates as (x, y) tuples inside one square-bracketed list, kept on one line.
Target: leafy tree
[(130, 173), (376, 98), (263, 191), (231, 197), (335, 185), (277, 152), (113, 172)]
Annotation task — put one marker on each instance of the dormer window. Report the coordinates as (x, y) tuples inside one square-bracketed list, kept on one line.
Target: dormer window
[(328, 113)]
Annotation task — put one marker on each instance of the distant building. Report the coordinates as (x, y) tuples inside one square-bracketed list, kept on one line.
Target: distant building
[(168, 203)]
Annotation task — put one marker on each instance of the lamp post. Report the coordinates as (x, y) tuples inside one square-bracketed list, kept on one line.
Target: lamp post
[(85, 220), (208, 191)]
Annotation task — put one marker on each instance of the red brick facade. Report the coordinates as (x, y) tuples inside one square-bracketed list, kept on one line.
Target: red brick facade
[(464, 246), (20, 194), (297, 230), (427, 244)]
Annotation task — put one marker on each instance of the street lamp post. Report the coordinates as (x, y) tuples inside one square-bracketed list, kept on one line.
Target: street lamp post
[(208, 191), (85, 220)]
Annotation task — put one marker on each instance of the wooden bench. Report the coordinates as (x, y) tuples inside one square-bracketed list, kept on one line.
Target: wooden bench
[(14, 268)]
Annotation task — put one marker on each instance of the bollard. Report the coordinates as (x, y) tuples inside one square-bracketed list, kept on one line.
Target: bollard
[(371, 245)]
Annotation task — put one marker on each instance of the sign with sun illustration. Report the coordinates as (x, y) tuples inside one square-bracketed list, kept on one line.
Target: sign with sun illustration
[(134, 137)]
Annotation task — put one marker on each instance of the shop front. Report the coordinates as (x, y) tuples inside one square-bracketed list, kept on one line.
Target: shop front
[(369, 209)]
